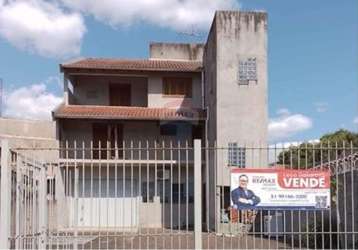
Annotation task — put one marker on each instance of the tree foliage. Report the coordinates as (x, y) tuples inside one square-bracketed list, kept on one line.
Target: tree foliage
[(330, 147)]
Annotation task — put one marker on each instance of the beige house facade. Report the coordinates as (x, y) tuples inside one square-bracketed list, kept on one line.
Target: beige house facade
[(216, 92)]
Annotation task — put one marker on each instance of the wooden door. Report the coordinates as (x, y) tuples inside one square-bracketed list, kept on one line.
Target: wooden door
[(100, 134), (120, 95)]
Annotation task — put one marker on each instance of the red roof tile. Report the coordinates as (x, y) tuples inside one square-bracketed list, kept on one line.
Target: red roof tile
[(127, 113), (134, 65)]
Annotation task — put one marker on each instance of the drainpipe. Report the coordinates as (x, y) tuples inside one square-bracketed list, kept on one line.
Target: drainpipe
[(206, 109), (202, 90), (65, 89), (206, 145)]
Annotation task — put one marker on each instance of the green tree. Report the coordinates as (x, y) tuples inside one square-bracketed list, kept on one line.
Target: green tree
[(330, 147), (341, 136)]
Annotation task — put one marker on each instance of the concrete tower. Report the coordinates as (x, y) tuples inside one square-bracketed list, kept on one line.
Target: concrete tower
[(235, 71)]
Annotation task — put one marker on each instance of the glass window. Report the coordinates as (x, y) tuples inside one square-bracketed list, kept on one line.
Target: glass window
[(247, 71), (236, 155), (175, 192), (148, 189)]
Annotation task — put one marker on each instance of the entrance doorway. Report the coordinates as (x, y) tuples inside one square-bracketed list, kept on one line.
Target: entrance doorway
[(103, 133)]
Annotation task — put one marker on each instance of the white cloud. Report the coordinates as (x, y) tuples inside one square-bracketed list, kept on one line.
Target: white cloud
[(321, 107), (174, 14), (41, 27), (355, 121), (283, 112), (287, 125), (30, 102)]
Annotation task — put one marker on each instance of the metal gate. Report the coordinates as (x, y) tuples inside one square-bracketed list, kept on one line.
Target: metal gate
[(333, 228), (29, 180), (23, 201), (166, 195), (138, 195)]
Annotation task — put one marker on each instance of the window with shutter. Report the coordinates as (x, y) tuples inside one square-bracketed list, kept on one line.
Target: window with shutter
[(177, 86)]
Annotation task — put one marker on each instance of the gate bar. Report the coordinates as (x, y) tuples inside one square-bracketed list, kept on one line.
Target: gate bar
[(197, 195), (18, 240), (5, 212), (43, 211)]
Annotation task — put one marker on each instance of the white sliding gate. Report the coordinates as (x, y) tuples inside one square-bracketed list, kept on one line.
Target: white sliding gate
[(94, 198)]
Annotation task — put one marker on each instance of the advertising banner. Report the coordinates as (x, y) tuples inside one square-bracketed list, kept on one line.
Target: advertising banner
[(259, 188)]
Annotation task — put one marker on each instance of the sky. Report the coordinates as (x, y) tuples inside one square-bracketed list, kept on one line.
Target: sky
[(312, 53)]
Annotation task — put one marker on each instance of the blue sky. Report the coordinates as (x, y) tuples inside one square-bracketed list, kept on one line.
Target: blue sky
[(313, 48)]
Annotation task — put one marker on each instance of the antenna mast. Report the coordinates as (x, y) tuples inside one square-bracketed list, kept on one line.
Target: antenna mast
[(193, 32), (1, 96)]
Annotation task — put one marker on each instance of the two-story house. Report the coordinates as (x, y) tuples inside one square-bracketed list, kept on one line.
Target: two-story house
[(119, 100), (215, 91), (116, 106)]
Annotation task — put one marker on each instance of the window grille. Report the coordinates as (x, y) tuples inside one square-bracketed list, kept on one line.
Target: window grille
[(236, 155), (247, 71)]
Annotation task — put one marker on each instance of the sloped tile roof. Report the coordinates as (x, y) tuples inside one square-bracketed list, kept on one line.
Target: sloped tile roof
[(134, 65), (126, 113)]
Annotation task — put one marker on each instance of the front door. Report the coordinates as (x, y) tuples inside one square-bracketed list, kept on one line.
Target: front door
[(120, 95), (104, 133), (116, 140), (100, 135)]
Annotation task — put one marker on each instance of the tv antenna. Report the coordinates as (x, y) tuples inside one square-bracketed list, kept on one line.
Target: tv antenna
[(193, 32), (1, 96)]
